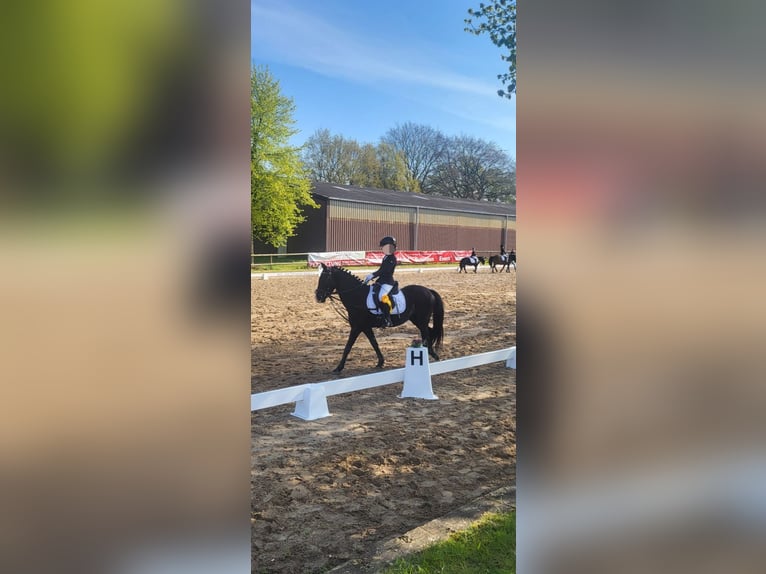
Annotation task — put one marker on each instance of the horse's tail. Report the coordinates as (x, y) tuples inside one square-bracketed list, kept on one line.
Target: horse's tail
[(436, 333)]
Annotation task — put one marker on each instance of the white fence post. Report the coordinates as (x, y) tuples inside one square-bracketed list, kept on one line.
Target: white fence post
[(313, 405), (417, 375), (311, 399), (510, 363)]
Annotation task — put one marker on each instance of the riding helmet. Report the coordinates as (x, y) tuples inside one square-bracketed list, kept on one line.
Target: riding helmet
[(388, 240)]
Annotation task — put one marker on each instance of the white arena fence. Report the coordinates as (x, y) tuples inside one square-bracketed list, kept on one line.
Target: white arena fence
[(311, 399)]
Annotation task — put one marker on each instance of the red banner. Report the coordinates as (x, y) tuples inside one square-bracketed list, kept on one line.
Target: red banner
[(344, 258), (357, 258), (421, 257)]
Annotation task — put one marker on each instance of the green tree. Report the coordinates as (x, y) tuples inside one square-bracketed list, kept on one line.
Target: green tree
[(382, 167), (323, 156), (331, 158), (279, 186), (498, 19), (394, 173), (367, 169), (335, 159), (421, 148)]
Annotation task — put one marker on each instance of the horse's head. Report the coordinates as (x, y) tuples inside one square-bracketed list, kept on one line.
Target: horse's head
[(326, 284), (481, 260)]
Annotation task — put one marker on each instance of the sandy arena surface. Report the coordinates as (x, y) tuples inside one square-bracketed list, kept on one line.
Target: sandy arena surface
[(325, 491)]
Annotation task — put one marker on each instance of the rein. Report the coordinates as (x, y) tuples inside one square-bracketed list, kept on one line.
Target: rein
[(337, 303), (339, 308)]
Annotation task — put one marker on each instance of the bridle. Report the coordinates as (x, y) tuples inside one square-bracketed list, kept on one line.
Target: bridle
[(334, 296), (335, 291)]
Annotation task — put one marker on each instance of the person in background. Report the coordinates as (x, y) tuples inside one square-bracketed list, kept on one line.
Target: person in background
[(385, 278)]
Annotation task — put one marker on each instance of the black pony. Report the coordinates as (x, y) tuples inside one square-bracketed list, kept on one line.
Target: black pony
[(422, 304), (466, 261), (495, 260)]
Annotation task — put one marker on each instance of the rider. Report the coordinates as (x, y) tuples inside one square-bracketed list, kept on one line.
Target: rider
[(473, 255), (502, 253), (385, 276)]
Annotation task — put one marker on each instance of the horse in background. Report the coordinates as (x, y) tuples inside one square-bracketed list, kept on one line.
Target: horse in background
[(510, 259), (471, 261)]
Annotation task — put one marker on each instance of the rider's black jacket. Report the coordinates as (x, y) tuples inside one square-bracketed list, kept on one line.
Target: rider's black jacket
[(385, 272)]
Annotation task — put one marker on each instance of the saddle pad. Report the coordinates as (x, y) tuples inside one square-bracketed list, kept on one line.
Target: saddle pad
[(398, 300), (474, 260)]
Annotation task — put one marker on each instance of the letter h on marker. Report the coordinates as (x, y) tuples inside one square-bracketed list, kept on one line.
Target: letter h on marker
[(417, 375)]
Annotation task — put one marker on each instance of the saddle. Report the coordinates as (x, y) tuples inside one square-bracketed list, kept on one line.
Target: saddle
[(396, 297), (474, 260)]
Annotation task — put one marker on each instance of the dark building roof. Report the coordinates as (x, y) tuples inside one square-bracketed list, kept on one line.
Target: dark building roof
[(403, 198)]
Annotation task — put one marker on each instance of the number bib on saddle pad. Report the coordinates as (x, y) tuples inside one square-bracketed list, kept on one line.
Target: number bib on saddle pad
[(397, 299)]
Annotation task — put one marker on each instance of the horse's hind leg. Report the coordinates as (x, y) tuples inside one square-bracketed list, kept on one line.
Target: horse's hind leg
[(424, 336), (374, 342), (431, 350), (350, 343)]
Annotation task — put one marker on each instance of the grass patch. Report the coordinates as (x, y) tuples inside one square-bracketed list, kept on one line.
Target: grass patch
[(278, 262), (291, 266), (486, 547)]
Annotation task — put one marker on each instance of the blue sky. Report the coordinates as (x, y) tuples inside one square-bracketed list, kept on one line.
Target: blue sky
[(359, 68)]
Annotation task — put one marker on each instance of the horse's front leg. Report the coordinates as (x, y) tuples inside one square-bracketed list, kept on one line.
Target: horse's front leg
[(350, 343), (374, 342)]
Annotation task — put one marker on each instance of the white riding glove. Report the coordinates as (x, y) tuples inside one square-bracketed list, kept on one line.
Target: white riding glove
[(369, 278)]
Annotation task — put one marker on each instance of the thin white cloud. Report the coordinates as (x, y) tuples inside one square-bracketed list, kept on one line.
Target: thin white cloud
[(301, 39), (500, 115)]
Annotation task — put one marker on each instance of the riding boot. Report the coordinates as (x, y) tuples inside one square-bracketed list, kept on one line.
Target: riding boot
[(386, 315), (385, 311)]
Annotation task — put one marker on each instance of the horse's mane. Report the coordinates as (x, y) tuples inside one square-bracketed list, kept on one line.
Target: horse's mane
[(347, 272)]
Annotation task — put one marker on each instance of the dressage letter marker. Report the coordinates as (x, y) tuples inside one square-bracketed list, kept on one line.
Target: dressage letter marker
[(417, 375), (419, 356), (311, 399)]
